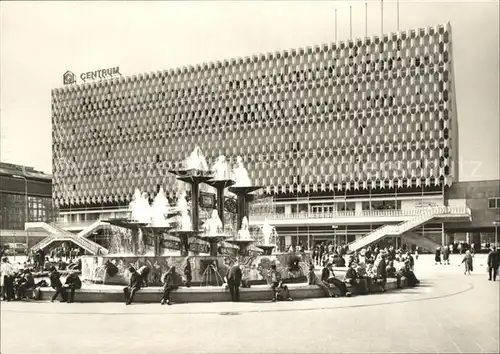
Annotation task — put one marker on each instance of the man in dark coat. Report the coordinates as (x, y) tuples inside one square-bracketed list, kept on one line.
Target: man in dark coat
[(382, 273), (446, 255), (233, 277), (187, 273), (493, 263), (135, 284), (41, 259), (56, 284), (72, 283)]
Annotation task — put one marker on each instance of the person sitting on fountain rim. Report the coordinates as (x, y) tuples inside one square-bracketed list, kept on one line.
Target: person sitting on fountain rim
[(280, 291), (313, 279), (274, 278), (134, 286), (408, 273), (27, 283), (328, 277), (72, 283), (351, 276), (144, 272), (169, 284)]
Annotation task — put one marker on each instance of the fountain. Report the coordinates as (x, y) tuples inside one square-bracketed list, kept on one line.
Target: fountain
[(185, 225), (141, 211), (270, 238), (182, 207), (242, 188), (220, 182), (189, 237), (221, 169), (243, 239), (213, 232), (197, 172), (196, 161), (160, 210), (240, 174), (213, 226)]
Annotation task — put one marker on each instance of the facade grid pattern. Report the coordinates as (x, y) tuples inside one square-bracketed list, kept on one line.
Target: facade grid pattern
[(367, 113)]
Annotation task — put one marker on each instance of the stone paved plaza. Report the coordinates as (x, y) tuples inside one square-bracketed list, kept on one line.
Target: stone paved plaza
[(448, 313)]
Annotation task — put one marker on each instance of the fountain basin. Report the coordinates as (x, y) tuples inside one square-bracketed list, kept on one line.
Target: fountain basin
[(110, 293), (268, 249), (292, 266)]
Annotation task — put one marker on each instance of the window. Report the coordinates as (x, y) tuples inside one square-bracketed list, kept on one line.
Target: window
[(494, 203)]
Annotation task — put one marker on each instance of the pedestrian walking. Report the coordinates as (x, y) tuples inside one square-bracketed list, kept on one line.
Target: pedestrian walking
[(493, 263), (468, 262), (55, 283), (446, 255), (437, 256)]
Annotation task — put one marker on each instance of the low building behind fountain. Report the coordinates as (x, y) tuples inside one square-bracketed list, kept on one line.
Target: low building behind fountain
[(153, 236)]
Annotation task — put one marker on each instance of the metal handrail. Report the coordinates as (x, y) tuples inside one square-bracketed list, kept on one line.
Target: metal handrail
[(337, 196), (363, 213), (75, 224)]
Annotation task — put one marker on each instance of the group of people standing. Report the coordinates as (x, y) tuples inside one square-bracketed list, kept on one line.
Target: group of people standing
[(322, 253), (442, 255)]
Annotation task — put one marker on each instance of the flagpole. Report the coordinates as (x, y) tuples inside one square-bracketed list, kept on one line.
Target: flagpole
[(366, 19), (397, 4), (350, 22), (335, 25), (381, 18)]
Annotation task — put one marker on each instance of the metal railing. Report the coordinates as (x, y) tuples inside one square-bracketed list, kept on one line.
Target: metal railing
[(81, 224), (342, 196), (363, 213)]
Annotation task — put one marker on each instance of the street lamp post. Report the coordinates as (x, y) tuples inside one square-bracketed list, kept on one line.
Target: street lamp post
[(335, 227), (496, 223), (26, 217)]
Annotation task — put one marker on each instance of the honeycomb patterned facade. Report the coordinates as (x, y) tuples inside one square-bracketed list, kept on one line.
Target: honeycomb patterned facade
[(368, 113)]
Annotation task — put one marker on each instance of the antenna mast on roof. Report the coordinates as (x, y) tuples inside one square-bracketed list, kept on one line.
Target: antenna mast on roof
[(335, 25)]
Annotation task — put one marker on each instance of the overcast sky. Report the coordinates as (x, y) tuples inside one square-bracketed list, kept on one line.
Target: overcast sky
[(41, 40)]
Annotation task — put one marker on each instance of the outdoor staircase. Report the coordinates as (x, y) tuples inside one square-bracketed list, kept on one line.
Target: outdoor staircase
[(59, 234), (425, 216), (423, 242), (86, 232)]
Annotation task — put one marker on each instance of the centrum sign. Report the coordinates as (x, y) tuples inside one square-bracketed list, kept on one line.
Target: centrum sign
[(101, 74), (69, 78)]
